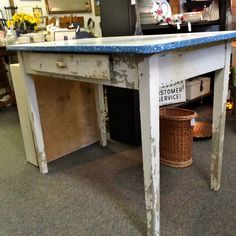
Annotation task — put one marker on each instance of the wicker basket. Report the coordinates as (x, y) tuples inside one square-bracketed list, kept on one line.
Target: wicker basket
[(176, 136)]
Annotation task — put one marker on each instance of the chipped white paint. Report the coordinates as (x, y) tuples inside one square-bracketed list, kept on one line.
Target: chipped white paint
[(101, 115), (120, 73), (184, 63), (151, 69), (22, 108), (112, 82), (34, 117), (218, 126), (88, 66), (125, 71), (149, 75)]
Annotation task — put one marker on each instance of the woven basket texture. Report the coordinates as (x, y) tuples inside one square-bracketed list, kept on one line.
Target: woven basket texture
[(176, 136)]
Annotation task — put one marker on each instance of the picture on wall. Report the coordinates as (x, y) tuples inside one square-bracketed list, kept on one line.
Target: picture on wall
[(62, 6), (38, 11)]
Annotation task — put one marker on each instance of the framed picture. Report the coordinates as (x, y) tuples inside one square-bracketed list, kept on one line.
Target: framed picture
[(39, 11), (62, 6)]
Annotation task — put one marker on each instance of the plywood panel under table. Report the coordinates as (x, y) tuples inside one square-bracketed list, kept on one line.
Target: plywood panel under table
[(67, 113)]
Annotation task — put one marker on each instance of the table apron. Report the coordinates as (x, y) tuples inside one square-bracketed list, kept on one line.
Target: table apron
[(121, 70)]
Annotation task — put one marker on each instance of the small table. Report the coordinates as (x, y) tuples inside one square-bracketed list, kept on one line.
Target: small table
[(136, 62)]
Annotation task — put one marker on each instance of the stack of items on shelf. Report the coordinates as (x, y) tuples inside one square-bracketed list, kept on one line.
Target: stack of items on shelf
[(156, 12), (170, 12), (146, 16), (25, 28), (22, 28), (181, 92), (69, 27), (160, 12)]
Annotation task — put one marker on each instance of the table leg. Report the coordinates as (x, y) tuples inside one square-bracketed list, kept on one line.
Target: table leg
[(101, 115), (149, 110), (35, 122), (218, 126)]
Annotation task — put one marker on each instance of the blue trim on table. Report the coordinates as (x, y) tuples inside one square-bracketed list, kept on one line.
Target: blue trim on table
[(156, 43)]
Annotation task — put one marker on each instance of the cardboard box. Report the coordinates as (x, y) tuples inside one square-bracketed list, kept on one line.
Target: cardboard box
[(64, 35), (197, 87), (172, 93), (61, 35)]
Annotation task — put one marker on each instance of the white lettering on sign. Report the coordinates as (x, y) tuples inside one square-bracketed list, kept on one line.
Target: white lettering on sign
[(172, 93)]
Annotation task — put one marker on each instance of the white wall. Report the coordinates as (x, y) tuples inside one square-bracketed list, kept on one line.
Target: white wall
[(3, 3), (27, 6), (86, 16)]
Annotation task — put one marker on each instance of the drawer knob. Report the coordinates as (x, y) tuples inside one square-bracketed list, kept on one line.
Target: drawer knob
[(60, 64)]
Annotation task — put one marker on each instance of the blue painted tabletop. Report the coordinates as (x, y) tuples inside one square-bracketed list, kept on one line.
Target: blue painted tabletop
[(129, 44)]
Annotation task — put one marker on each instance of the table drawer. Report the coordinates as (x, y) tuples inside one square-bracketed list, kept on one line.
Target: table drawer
[(79, 65)]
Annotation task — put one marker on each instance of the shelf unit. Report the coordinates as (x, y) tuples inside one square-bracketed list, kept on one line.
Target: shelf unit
[(196, 26), (170, 29), (121, 22)]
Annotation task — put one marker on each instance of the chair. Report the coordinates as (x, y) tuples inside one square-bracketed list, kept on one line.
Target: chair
[(10, 11), (8, 97), (2, 16), (3, 21)]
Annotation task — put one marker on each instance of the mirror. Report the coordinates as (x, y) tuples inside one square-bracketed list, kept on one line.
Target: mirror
[(70, 6)]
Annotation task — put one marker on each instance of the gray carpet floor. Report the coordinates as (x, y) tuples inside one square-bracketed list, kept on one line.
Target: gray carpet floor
[(99, 191)]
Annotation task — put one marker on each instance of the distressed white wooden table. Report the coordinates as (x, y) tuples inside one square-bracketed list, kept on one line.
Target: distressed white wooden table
[(143, 63)]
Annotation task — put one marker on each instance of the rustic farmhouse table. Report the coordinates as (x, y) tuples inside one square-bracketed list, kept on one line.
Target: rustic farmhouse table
[(137, 62)]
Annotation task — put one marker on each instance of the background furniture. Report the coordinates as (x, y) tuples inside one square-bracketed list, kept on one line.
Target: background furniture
[(117, 22), (10, 11), (4, 80), (123, 103)]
